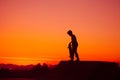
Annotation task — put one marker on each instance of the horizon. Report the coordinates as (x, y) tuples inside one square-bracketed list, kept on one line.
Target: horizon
[(35, 31), (20, 61), (49, 65)]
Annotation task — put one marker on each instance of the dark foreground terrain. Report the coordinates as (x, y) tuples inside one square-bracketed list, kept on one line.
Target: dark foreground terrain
[(67, 70)]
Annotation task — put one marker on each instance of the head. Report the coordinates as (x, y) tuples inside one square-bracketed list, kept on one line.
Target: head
[(70, 33)]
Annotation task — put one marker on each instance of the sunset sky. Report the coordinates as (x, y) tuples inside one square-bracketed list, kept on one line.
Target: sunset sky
[(35, 31)]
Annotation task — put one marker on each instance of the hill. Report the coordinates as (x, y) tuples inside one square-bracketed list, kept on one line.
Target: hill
[(67, 70), (87, 70)]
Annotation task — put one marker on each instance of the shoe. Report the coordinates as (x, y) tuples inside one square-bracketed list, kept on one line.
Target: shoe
[(77, 60)]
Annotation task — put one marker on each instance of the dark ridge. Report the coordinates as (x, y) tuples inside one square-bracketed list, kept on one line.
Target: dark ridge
[(68, 70), (87, 70)]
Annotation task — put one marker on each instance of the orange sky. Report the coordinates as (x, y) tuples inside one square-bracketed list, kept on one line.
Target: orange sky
[(33, 31)]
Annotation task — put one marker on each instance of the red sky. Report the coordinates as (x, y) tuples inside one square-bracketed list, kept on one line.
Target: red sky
[(33, 31)]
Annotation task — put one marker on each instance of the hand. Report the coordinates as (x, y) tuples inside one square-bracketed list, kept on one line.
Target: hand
[(69, 44)]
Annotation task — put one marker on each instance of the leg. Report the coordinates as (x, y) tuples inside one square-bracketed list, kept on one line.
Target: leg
[(72, 55), (71, 52), (76, 53)]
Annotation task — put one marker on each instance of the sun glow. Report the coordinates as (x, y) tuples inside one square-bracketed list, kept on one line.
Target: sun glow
[(34, 31)]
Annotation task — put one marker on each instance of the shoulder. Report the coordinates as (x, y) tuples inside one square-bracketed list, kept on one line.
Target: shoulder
[(73, 36)]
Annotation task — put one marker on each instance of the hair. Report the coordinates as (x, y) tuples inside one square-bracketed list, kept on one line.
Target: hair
[(69, 32)]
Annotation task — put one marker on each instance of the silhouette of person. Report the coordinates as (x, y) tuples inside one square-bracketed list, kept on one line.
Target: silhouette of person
[(73, 46)]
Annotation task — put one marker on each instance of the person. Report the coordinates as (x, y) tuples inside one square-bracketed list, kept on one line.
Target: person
[(73, 46)]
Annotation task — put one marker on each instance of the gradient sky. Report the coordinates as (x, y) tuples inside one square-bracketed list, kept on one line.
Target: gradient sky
[(33, 31)]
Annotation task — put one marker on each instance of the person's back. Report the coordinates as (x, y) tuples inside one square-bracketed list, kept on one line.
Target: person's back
[(74, 40)]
